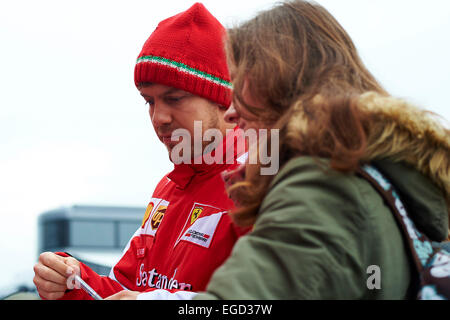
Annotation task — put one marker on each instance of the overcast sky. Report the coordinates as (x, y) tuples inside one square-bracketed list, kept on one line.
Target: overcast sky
[(74, 130)]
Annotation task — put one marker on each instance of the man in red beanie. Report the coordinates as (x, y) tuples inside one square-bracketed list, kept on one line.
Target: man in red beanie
[(186, 232)]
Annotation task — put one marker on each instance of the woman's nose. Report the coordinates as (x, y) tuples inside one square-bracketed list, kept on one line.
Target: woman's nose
[(231, 115)]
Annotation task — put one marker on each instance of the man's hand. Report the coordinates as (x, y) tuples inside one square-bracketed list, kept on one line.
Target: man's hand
[(52, 273), (124, 295)]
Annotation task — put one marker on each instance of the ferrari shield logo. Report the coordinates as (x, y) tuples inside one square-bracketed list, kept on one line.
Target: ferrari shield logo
[(196, 212)]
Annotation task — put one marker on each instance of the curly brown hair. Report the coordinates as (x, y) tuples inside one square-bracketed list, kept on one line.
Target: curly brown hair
[(303, 68)]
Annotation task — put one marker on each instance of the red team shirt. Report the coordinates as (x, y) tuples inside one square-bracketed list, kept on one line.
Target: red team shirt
[(186, 234)]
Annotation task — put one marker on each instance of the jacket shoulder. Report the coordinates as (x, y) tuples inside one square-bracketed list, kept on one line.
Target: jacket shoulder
[(311, 184), (315, 207)]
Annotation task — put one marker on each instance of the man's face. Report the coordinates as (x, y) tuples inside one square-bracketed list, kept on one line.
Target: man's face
[(171, 109)]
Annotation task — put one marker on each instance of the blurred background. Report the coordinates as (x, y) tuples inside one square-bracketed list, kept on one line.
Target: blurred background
[(75, 133)]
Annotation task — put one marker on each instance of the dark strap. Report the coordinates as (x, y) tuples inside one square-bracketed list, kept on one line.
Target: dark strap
[(433, 264), (420, 246)]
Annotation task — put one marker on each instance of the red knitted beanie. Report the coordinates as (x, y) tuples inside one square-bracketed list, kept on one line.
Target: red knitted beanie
[(187, 52)]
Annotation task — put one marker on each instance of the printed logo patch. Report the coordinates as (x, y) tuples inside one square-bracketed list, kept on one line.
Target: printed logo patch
[(147, 214), (155, 211), (196, 212), (197, 235), (202, 230), (157, 217), (140, 253)]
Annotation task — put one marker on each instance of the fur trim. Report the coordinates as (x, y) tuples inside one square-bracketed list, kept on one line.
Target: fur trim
[(403, 132)]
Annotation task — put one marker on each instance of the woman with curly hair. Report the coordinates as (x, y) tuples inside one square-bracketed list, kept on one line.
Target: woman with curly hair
[(318, 226)]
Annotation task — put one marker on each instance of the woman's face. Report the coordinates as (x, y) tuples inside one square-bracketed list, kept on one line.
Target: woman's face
[(237, 113)]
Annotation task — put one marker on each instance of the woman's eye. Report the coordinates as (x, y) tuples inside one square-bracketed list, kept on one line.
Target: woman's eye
[(149, 102)]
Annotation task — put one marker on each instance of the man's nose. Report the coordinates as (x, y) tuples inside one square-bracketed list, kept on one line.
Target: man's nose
[(231, 115), (160, 115)]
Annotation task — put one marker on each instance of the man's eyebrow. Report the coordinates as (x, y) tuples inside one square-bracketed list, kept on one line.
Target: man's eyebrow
[(174, 90), (168, 91)]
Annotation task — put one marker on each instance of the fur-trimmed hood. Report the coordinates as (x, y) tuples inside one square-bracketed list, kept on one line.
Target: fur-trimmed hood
[(405, 134)]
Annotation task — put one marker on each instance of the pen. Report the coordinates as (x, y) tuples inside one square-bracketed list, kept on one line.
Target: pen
[(87, 288)]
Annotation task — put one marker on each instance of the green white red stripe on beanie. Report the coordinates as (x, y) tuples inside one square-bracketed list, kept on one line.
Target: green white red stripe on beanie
[(185, 68)]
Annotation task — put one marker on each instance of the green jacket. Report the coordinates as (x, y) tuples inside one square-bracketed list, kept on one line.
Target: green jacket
[(319, 232)]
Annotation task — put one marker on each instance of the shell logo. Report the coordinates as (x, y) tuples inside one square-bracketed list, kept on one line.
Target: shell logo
[(147, 214)]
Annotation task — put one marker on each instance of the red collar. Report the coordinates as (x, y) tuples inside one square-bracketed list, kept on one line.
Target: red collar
[(183, 174)]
